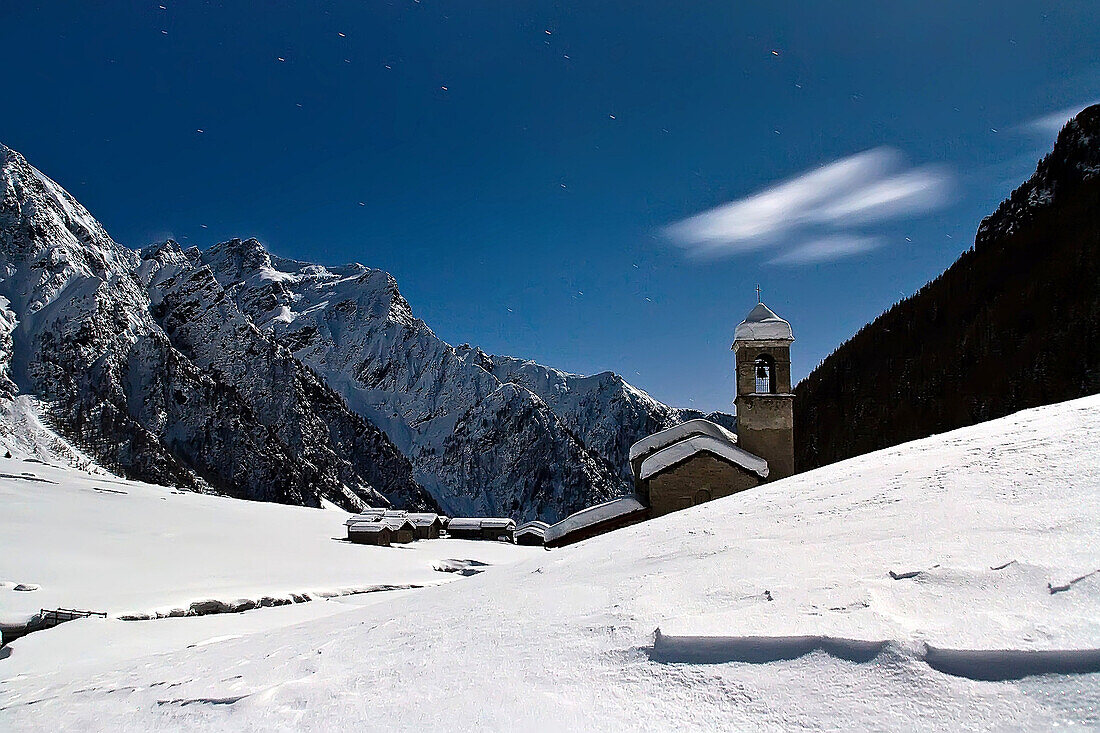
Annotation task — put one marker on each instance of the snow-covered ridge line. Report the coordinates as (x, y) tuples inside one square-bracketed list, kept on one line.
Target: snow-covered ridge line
[(486, 435), (150, 369)]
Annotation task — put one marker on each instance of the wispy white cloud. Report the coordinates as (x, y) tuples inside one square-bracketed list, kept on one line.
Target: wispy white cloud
[(866, 188), (1051, 123), (827, 249)]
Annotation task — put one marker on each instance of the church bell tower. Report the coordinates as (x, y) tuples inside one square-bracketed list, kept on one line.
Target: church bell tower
[(765, 404)]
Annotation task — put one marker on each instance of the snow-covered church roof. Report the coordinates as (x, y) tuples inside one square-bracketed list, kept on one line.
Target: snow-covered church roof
[(761, 324), (685, 449), (676, 433)]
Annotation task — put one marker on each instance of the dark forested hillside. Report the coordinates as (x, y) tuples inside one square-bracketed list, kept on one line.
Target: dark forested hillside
[(1014, 323)]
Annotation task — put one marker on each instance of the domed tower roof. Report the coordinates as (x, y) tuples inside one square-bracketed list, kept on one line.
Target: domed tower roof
[(761, 324)]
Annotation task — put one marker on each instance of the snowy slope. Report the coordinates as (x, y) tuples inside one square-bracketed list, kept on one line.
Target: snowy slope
[(776, 609), (96, 542)]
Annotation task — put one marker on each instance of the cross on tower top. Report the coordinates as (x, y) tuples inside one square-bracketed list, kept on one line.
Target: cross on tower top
[(758, 294)]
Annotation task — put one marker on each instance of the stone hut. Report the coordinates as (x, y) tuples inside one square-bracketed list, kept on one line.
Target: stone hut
[(464, 528), (498, 528), (401, 529)]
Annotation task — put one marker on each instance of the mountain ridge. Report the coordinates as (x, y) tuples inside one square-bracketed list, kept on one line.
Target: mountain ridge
[(234, 370)]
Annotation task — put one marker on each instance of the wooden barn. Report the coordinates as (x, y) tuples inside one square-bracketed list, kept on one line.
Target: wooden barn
[(428, 526), (370, 533), (482, 528), (402, 530), (498, 528), (532, 533)]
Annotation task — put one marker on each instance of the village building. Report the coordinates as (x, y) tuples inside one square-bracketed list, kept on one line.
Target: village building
[(695, 470), (401, 529), (364, 527), (482, 528), (369, 533), (765, 402), (596, 520), (699, 460), (428, 526), (532, 533)]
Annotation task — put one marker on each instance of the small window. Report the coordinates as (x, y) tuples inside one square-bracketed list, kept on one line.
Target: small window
[(702, 496), (764, 370)]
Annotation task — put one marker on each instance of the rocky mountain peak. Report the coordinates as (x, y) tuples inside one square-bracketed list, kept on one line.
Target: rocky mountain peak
[(1074, 160)]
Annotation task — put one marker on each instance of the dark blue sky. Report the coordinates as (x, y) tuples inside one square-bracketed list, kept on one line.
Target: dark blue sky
[(517, 165)]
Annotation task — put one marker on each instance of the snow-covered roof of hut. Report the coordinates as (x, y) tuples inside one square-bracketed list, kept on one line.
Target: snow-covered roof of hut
[(424, 519), (685, 449), (497, 523), (368, 527), (761, 324), (464, 523), (594, 515), (367, 515), (676, 433), (534, 527), (397, 523)]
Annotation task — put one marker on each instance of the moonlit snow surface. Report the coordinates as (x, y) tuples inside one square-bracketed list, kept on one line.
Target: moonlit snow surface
[(942, 584)]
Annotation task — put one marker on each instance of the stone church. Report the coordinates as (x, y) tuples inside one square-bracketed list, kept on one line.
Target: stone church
[(699, 460)]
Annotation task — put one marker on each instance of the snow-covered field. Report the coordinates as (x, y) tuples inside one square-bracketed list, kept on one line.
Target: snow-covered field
[(89, 541), (948, 583)]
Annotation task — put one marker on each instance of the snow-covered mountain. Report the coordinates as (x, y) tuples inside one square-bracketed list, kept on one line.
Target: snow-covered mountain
[(485, 434), (107, 339), (274, 379)]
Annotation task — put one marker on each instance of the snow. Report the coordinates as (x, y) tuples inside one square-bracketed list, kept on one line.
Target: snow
[(676, 433), (761, 324), (96, 542), (772, 609), (593, 515), (27, 437), (685, 449)]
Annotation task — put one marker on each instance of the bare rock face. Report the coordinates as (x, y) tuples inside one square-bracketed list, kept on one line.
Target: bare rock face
[(237, 371)]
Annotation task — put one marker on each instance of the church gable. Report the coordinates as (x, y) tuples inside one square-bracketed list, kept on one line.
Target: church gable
[(658, 441), (695, 470), (698, 479)]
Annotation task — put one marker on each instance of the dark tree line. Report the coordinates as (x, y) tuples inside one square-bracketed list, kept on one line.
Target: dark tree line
[(1013, 323)]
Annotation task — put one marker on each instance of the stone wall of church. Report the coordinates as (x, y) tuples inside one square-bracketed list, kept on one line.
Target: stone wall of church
[(765, 427), (699, 479)]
